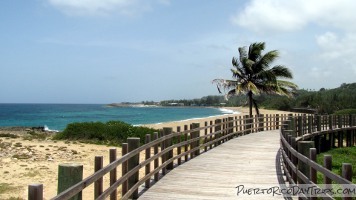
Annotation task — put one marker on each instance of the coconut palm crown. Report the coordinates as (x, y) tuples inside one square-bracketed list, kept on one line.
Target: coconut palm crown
[(253, 75)]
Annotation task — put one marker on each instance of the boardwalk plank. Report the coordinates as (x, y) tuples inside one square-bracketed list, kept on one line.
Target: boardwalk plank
[(249, 161)]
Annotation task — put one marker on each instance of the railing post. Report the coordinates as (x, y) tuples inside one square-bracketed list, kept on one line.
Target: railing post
[(156, 161), (163, 156), (98, 185), (68, 175), (330, 122), (35, 192), (124, 150), (113, 173), (267, 125), (277, 121), (294, 159), (261, 124), (217, 128), (312, 156), (186, 146), (147, 156), (179, 149), (133, 143), (205, 138), (195, 135), (327, 165), (300, 126), (211, 136), (318, 127), (347, 174), (310, 124), (230, 127), (166, 132), (303, 148)]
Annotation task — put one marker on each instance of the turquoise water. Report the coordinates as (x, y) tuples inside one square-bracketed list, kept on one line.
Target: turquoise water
[(57, 116)]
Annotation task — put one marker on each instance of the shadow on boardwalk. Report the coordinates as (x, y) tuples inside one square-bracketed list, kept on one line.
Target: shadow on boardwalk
[(245, 162)]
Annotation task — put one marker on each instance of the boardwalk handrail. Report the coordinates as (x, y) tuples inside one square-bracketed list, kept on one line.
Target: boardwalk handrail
[(300, 164), (170, 149)]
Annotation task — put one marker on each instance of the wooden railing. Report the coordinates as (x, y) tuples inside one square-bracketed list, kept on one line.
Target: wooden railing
[(163, 151), (302, 137)]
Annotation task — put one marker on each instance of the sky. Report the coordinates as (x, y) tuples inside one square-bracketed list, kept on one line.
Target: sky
[(105, 51)]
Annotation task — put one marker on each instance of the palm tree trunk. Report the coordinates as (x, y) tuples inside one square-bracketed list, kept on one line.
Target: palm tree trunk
[(250, 101)]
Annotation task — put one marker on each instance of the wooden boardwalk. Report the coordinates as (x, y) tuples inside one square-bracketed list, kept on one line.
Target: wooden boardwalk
[(244, 162)]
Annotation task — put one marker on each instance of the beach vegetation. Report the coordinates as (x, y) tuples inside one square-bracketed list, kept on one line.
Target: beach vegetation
[(252, 75), (8, 135), (339, 156), (111, 133), (6, 187)]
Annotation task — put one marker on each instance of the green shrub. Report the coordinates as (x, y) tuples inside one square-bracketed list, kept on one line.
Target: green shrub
[(112, 132), (345, 112)]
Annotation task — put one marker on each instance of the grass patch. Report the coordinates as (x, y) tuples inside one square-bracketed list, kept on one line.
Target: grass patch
[(21, 156), (35, 135), (32, 173), (8, 135), (5, 187), (339, 156)]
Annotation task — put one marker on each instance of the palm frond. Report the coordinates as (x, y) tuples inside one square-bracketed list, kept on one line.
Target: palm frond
[(281, 71)]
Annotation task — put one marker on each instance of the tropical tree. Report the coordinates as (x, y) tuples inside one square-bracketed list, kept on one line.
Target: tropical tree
[(253, 75)]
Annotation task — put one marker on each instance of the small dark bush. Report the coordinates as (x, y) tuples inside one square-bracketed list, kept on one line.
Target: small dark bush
[(345, 112), (112, 132)]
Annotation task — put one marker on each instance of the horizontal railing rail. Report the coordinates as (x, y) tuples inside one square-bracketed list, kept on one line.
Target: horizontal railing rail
[(162, 153)]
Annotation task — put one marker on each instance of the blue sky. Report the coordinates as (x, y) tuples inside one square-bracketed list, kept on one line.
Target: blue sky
[(104, 51)]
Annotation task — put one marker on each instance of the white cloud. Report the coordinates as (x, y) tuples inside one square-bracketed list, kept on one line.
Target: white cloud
[(104, 7), (291, 15)]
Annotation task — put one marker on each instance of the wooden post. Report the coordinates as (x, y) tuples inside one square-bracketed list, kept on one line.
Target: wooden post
[(68, 175), (217, 128), (318, 126), (310, 124), (186, 146), (133, 143), (277, 121), (179, 149), (339, 121), (267, 125), (124, 150), (156, 162), (303, 148), (230, 127), (330, 122), (196, 135), (294, 159), (35, 192), (327, 165), (211, 136), (98, 185), (163, 146), (347, 174), (300, 126), (340, 139), (166, 132), (113, 173), (312, 156), (205, 138), (147, 156), (261, 124)]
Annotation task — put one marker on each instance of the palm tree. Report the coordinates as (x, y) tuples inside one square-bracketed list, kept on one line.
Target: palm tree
[(253, 75)]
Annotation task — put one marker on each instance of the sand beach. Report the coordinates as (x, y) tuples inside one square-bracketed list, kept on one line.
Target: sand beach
[(26, 159)]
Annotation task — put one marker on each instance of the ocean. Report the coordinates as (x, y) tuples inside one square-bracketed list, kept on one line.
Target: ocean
[(57, 116)]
